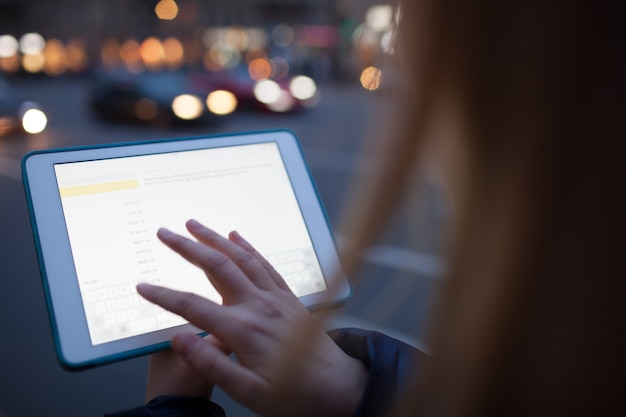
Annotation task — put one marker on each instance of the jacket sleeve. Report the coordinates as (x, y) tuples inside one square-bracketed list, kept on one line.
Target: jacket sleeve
[(392, 367), (174, 406)]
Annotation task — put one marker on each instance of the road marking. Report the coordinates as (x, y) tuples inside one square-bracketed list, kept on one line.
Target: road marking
[(10, 168)]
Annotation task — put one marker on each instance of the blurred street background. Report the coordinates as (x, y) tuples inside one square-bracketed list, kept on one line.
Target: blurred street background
[(76, 72)]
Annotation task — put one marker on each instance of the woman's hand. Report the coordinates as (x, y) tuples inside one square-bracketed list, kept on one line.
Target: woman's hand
[(286, 363), (168, 374)]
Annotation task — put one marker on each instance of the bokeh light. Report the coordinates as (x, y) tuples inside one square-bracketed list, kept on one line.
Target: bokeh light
[(33, 63), (303, 87), (236, 38), (379, 18), (77, 55), (9, 57), (166, 9), (10, 64), (260, 69), (55, 58), (388, 42), (282, 35), (257, 39), (130, 54), (223, 56), (281, 67), (221, 102), (8, 46), (284, 103), (34, 121), (146, 109), (187, 107), (267, 91), (371, 78), (173, 53), (152, 53), (32, 43)]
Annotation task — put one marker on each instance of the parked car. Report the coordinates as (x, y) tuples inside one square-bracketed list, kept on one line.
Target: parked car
[(157, 98), (283, 95)]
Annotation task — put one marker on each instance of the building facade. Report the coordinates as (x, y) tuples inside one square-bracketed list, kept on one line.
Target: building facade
[(70, 18)]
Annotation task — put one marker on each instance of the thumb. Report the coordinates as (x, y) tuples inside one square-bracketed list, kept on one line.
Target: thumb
[(209, 359)]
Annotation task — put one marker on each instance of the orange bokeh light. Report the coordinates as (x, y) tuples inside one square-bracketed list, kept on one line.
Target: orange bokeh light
[(173, 52), (33, 63), (152, 52), (10, 64), (76, 55), (166, 9), (130, 53), (371, 78), (55, 57), (260, 69)]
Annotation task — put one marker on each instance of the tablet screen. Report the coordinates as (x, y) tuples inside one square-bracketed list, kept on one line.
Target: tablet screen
[(113, 208)]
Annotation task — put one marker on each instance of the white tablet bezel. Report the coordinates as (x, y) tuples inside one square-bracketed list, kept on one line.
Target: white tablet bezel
[(67, 316)]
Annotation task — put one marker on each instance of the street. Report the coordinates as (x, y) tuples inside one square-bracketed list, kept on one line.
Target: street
[(393, 293)]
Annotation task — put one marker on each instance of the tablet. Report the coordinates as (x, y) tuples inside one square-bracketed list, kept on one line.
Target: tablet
[(95, 212)]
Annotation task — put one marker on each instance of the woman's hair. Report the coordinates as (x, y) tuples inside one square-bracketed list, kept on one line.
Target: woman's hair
[(531, 95)]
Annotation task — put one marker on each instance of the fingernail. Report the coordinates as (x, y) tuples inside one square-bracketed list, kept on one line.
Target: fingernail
[(164, 233), (143, 288), (194, 224), (238, 239)]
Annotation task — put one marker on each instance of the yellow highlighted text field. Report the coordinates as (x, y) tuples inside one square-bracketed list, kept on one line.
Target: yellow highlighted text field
[(103, 187)]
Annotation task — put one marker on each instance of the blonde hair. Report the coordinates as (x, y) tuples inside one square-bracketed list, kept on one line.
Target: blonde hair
[(530, 320)]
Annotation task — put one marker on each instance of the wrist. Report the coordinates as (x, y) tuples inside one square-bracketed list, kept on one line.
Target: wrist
[(344, 387), (355, 380)]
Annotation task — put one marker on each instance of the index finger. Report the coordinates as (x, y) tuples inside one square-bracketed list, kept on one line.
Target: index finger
[(199, 311), (229, 280), (271, 272), (251, 264)]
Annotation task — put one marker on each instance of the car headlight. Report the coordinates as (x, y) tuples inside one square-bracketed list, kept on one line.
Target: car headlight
[(275, 98), (34, 120), (187, 107), (267, 91), (302, 87), (221, 102)]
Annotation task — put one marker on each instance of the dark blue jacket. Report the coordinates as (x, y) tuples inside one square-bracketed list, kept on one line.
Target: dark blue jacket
[(390, 362)]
